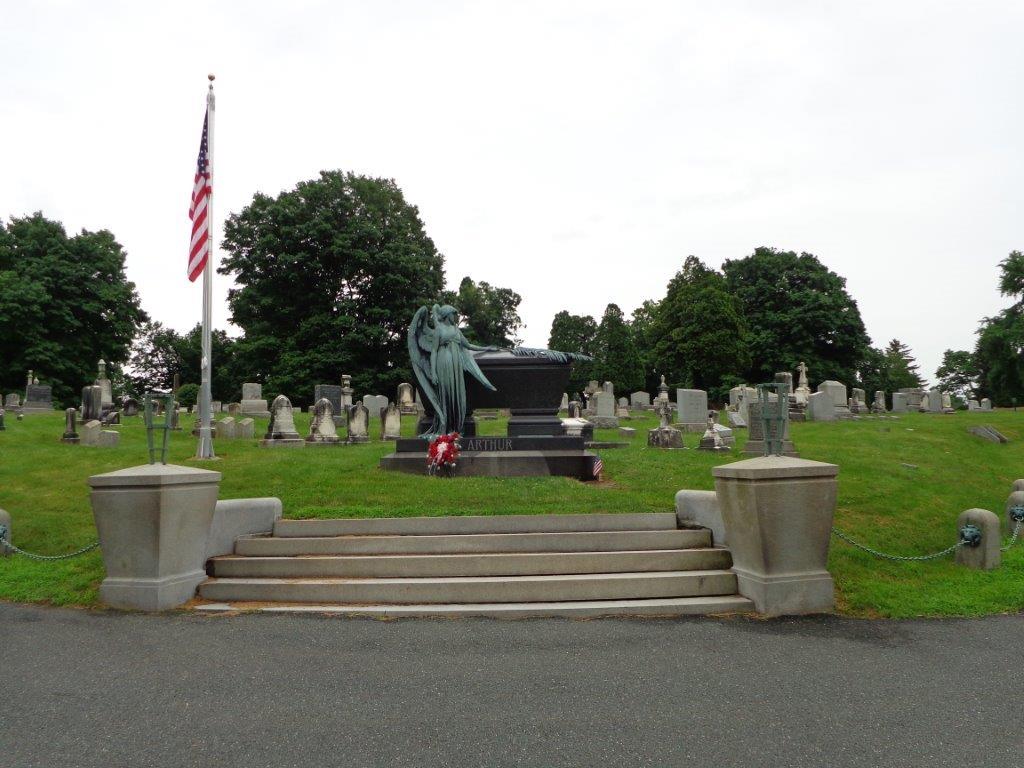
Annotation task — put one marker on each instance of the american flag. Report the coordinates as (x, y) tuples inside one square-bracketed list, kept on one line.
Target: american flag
[(201, 191), (597, 467)]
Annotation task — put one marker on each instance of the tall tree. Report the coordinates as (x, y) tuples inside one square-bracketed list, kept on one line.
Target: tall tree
[(490, 315), (797, 309), (575, 333), (616, 358), (999, 352), (890, 369), (958, 374), (160, 352), (643, 326), (328, 275), (698, 330), (65, 303)]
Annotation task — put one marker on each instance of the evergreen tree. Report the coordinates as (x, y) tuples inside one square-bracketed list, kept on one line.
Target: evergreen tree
[(958, 374), (901, 368), (616, 356), (999, 352), (698, 331)]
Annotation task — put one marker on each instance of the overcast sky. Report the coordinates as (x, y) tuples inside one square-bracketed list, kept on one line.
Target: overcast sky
[(575, 152)]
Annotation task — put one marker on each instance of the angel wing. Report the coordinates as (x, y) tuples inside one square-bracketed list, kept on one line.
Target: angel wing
[(421, 341)]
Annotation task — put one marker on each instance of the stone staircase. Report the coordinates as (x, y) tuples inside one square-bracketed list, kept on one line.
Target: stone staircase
[(501, 566)]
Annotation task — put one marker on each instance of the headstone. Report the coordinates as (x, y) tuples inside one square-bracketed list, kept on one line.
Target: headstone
[(346, 393), (3, 427), (70, 436), (13, 401), (820, 407), (225, 428), (986, 404), (330, 392), (858, 398), (914, 397), (216, 406), (665, 436), (38, 398), (374, 404), (130, 406), (623, 402), (608, 387), (878, 406), (106, 394), (113, 418), (92, 403), (692, 409), (736, 420), (281, 430), (935, 401), (740, 399), (627, 431), (358, 424), (973, 405), (711, 440), (406, 399), (564, 405), (235, 410), (622, 412), (245, 429), (108, 438), (640, 400), (90, 433), (604, 410), (391, 423), (592, 387), (988, 432), (900, 402), (803, 389), (947, 403), (253, 403), (726, 434), (836, 390), (575, 409), (321, 427), (756, 441)]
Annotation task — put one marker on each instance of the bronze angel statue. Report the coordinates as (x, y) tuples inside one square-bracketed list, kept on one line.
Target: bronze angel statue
[(441, 358)]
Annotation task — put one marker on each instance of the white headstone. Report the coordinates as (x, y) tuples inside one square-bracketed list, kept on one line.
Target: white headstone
[(321, 426), (900, 402), (836, 391), (374, 404), (245, 429), (820, 407), (225, 429), (358, 424), (89, 433), (640, 400), (391, 423), (692, 407)]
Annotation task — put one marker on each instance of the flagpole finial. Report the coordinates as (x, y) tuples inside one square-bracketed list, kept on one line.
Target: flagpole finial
[(211, 77)]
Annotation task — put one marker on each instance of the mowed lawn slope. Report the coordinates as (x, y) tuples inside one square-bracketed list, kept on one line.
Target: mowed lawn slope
[(902, 484)]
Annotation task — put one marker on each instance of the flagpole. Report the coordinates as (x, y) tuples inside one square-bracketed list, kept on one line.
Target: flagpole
[(204, 450)]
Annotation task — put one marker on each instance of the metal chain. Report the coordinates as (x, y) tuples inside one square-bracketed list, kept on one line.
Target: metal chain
[(876, 553), (4, 542), (1013, 538)]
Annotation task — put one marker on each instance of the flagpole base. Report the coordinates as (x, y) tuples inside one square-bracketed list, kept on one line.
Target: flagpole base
[(204, 450)]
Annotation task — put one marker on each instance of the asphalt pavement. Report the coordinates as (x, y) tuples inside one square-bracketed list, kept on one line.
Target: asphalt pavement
[(94, 688)]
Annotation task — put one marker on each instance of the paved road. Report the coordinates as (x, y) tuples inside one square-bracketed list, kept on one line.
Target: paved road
[(83, 689)]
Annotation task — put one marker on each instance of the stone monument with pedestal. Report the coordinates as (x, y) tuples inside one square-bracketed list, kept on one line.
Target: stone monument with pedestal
[(253, 404), (778, 512), (38, 397)]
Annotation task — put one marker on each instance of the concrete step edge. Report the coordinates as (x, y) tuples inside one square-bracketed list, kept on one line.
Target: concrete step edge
[(468, 524), (651, 607), (539, 578)]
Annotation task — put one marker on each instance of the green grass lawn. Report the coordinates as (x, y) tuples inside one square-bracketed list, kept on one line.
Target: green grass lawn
[(906, 510)]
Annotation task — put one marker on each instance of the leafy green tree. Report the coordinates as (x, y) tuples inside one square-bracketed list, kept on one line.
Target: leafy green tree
[(958, 374), (575, 333), (65, 303), (797, 309), (615, 356), (698, 331), (643, 325), (160, 352), (999, 351), (328, 275), (490, 315)]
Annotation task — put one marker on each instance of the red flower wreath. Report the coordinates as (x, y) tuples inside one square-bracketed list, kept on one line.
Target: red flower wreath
[(443, 453)]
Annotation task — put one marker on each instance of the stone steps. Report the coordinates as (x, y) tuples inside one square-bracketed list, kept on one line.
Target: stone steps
[(474, 543), (465, 525), (488, 589), (586, 609), (501, 564)]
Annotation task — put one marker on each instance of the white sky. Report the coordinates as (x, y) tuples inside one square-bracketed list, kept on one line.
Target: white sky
[(576, 152)]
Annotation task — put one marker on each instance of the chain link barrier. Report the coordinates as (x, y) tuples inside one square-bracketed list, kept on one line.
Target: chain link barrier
[(1014, 537), (898, 558), (5, 542)]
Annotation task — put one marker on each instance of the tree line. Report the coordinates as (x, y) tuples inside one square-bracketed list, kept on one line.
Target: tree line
[(328, 274)]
